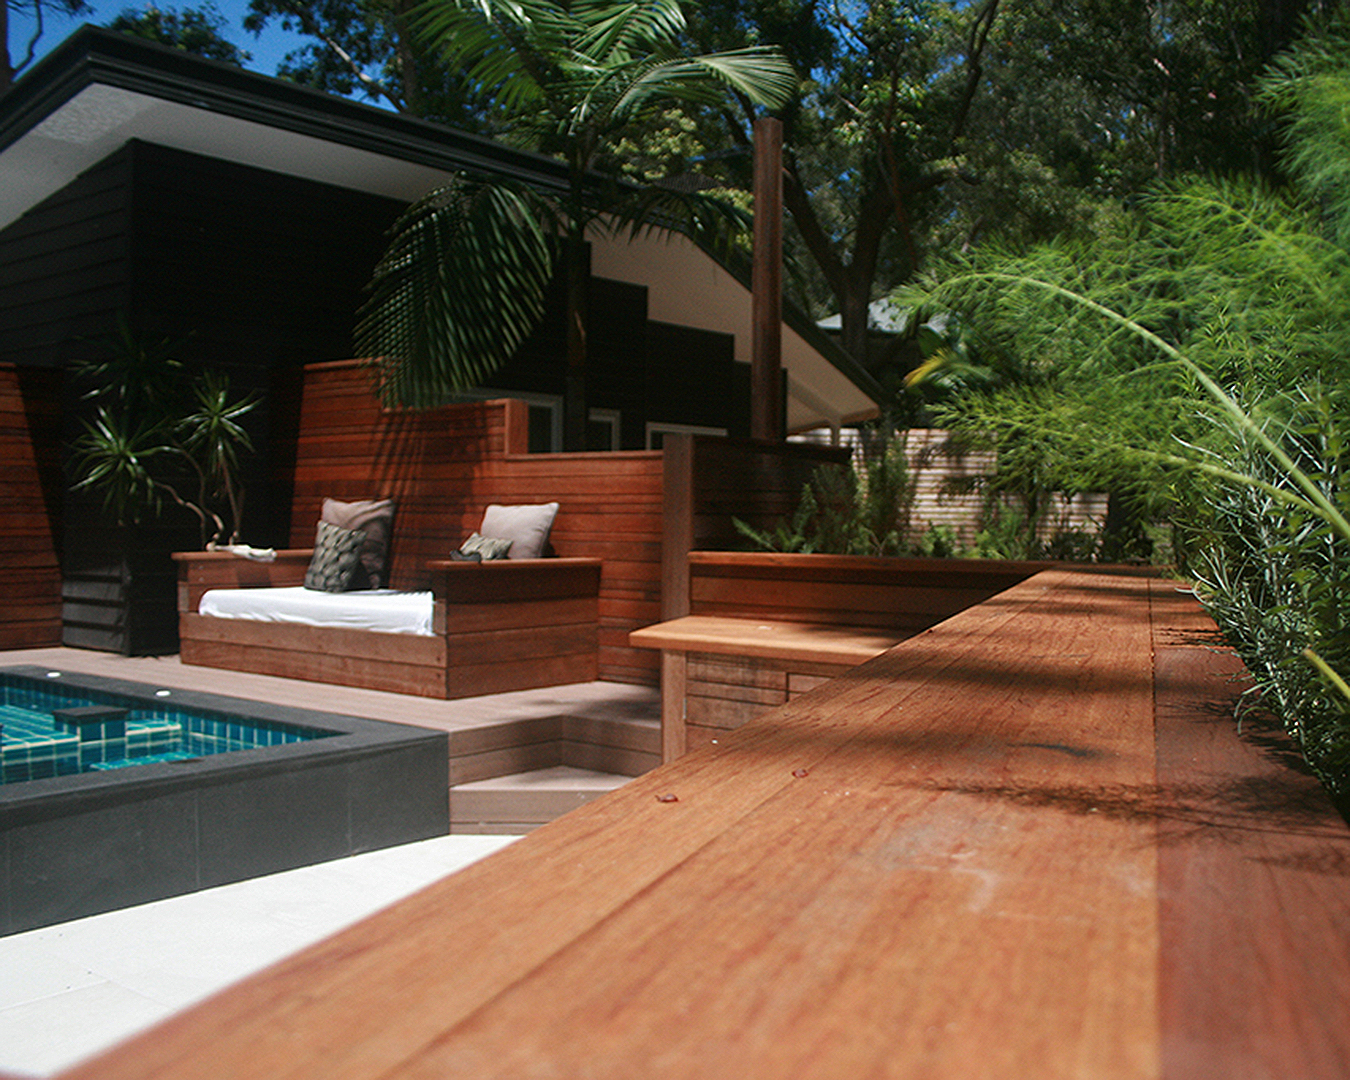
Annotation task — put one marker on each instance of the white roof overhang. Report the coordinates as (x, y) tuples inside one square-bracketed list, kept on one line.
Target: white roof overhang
[(100, 89)]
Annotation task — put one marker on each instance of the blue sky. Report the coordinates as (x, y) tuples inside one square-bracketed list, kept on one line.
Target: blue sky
[(267, 49)]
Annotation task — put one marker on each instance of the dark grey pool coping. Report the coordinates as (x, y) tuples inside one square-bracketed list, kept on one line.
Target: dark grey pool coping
[(79, 845)]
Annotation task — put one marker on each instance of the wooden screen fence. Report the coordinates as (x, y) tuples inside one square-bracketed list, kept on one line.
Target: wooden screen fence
[(640, 512), (30, 424)]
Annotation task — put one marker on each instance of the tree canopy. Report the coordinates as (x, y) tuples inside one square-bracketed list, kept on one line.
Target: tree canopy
[(925, 126), (369, 49), (462, 283), (195, 30), (38, 10)]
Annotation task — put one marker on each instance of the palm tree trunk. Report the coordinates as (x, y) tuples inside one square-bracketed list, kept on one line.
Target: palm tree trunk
[(578, 271)]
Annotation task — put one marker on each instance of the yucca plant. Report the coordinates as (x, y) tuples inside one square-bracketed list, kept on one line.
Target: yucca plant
[(149, 441)]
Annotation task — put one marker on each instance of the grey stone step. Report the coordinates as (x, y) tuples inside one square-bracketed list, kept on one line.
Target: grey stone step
[(524, 801)]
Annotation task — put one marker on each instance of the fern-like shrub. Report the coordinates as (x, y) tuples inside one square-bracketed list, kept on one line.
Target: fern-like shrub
[(1276, 579), (1195, 356), (862, 510)]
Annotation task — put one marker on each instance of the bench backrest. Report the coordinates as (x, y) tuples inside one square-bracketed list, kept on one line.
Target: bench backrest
[(845, 590)]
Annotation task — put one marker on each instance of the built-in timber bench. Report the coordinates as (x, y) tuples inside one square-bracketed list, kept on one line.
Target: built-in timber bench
[(1031, 841), (766, 627), (508, 624)]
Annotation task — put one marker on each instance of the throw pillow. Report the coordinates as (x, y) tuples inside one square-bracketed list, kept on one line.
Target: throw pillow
[(337, 553), (375, 518), (485, 547), (527, 527)]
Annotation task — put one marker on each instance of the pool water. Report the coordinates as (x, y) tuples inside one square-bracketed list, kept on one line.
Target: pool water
[(49, 729)]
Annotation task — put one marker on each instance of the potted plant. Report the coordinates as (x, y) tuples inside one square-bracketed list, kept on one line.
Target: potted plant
[(154, 437), (149, 441)]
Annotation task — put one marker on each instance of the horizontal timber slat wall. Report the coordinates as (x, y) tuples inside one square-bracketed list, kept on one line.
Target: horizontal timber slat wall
[(30, 422), (638, 511), (443, 467), (709, 483), (846, 590)]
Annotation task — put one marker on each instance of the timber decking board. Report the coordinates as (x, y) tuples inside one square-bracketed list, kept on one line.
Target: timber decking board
[(1243, 831), (962, 859)]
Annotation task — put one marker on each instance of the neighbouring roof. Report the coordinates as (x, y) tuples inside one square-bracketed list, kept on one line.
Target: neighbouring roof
[(99, 89), (884, 316)]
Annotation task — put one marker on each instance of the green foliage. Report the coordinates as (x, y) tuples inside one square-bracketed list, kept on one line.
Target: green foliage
[(198, 30), (1277, 581), (927, 127), (1200, 351), (940, 542), (455, 290), (367, 48), (147, 442), (459, 288), (848, 511)]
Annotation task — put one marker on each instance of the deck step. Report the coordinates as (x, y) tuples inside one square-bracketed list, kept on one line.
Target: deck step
[(523, 801), (601, 727)]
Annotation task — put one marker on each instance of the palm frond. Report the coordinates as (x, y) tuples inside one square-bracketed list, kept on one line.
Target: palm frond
[(761, 74), (699, 215), (460, 287), (507, 46), (615, 33)]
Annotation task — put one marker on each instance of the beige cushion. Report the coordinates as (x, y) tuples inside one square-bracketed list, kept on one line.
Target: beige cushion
[(527, 527)]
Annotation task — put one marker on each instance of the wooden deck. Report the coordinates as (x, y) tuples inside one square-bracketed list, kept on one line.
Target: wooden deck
[(1029, 841)]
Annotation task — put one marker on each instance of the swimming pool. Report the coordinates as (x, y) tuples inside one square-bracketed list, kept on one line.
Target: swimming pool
[(240, 789), (50, 728)]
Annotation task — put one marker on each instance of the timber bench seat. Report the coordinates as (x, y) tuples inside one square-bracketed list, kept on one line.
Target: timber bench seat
[(509, 624), (1031, 841), (764, 628), (806, 643), (718, 672)]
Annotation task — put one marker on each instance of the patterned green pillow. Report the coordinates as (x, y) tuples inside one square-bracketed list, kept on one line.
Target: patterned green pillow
[(487, 547), (337, 552)]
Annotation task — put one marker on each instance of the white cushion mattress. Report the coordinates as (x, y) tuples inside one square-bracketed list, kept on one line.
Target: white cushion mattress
[(382, 610)]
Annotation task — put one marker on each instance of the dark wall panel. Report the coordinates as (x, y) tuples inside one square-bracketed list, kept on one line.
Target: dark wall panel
[(261, 269), (692, 379), (65, 267)]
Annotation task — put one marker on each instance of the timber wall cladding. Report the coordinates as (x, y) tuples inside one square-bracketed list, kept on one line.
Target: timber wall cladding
[(30, 427), (640, 512), (443, 467)]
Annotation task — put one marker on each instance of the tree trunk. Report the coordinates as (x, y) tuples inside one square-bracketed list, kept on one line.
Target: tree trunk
[(853, 305), (6, 63), (578, 272)]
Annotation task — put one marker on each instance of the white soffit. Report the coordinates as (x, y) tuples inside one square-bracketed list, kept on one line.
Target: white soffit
[(686, 287), (100, 119)]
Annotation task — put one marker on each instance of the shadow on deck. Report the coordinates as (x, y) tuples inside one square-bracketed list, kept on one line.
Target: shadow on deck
[(793, 902)]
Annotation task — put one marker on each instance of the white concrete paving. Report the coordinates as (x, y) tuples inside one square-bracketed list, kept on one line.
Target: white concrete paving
[(72, 990)]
